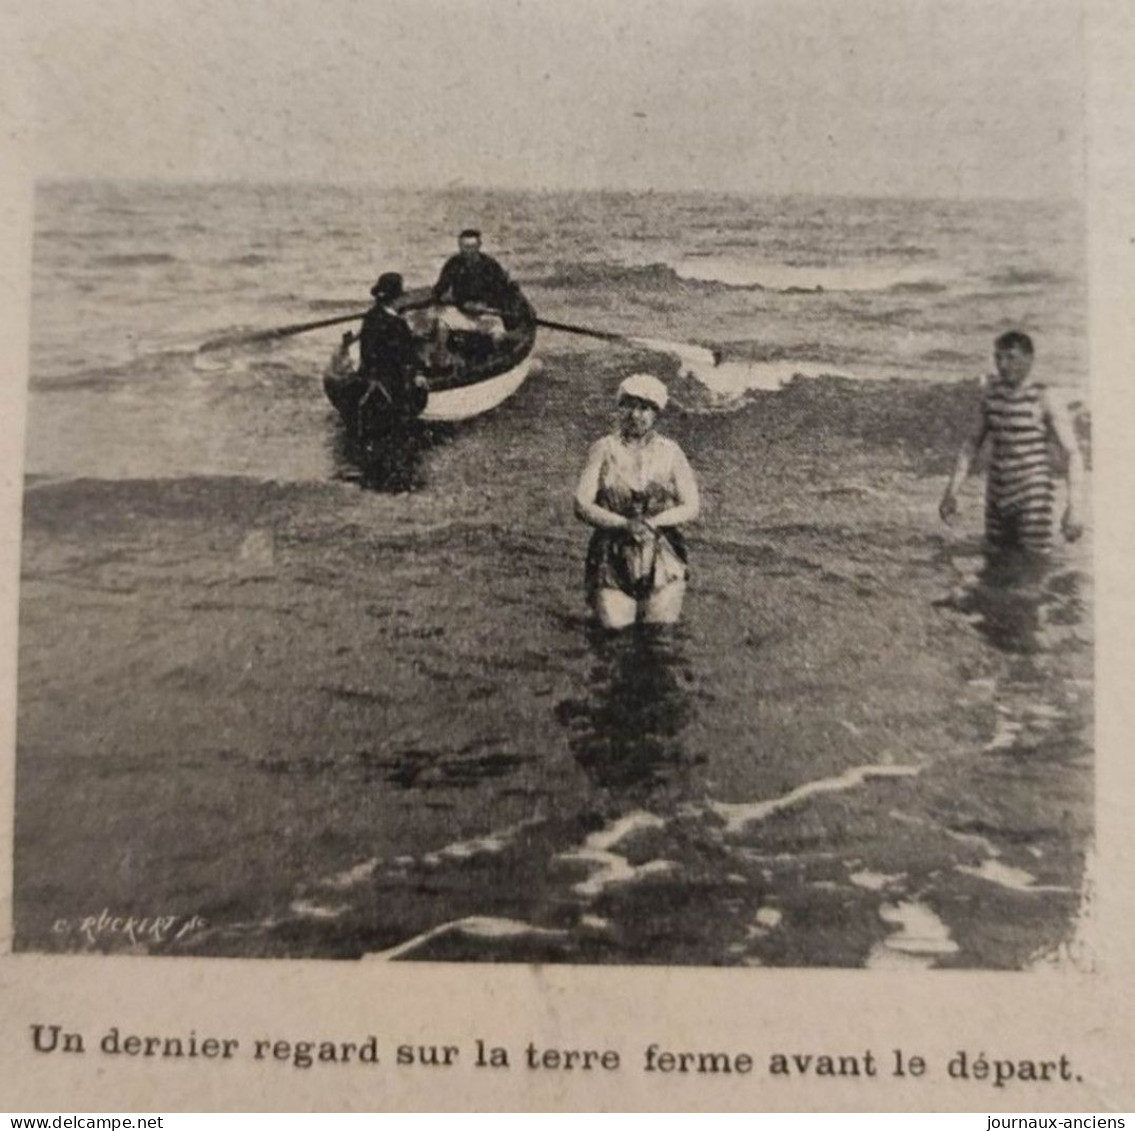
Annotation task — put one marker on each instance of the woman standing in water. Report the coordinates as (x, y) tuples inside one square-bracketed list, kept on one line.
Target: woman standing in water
[(636, 490)]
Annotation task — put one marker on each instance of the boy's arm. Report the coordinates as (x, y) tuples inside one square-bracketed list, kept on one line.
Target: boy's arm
[(967, 453), (1065, 435)]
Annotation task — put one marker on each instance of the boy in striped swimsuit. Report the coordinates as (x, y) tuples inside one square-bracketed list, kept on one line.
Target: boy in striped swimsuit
[(1022, 418)]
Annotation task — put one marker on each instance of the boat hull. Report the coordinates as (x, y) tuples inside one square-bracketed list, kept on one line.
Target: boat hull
[(467, 401), (462, 393)]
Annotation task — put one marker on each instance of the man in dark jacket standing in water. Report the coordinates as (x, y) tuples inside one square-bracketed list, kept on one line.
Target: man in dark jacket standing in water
[(388, 357), (388, 351)]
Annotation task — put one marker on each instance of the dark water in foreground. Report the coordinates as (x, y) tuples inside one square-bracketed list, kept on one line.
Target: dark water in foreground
[(300, 718)]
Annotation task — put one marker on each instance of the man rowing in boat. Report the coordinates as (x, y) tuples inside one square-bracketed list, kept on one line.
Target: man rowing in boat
[(477, 294)]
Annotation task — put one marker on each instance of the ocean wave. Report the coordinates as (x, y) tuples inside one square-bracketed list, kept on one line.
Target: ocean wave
[(75, 505), (136, 259), (918, 287), (723, 224), (927, 420), (697, 273), (797, 278), (91, 236), (117, 210), (948, 357), (654, 276), (149, 366), (730, 380), (1026, 277), (897, 251), (736, 242), (92, 379), (334, 304), (250, 260), (838, 356)]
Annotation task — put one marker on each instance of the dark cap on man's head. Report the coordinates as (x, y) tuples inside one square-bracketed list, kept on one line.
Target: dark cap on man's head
[(470, 234), (389, 285)]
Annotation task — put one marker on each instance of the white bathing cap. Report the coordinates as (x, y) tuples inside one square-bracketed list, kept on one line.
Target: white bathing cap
[(644, 387)]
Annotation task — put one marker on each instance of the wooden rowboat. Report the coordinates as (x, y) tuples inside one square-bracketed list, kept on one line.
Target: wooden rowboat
[(487, 372), (490, 375)]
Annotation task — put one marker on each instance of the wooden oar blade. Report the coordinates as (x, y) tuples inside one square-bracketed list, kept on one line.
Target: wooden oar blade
[(694, 358), (691, 356), (584, 331)]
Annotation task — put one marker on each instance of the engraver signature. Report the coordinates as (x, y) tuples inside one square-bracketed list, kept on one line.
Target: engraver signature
[(130, 928)]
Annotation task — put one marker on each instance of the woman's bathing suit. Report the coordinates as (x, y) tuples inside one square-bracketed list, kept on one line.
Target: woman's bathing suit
[(634, 489)]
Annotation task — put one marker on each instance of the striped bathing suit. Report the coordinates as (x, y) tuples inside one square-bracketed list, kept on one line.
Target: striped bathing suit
[(1019, 492)]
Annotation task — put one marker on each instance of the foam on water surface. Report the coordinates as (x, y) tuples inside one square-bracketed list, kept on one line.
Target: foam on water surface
[(920, 937), (611, 868), (732, 379), (485, 927), (738, 816), (488, 845), (874, 881), (308, 909), (734, 272), (353, 876), (1006, 876)]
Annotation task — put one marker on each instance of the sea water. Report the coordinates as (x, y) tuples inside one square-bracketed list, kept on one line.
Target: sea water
[(322, 720)]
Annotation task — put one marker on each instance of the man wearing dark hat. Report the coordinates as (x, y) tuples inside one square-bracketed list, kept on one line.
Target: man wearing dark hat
[(386, 343), (388, 355)]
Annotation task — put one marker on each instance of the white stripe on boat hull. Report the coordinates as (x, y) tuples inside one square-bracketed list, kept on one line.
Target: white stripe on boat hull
[(472, 400)]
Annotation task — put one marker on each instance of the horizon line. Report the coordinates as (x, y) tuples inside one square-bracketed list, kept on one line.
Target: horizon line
[(65, 179)]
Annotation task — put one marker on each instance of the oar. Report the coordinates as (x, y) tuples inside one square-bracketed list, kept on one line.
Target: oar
[(412, 301), (693, 356), (229, 340)]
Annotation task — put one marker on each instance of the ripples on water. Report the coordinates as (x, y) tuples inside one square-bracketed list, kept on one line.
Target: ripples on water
[(353, 722), (626, 731)]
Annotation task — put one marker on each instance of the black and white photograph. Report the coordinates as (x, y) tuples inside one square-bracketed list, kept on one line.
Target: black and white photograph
[(602, 483)]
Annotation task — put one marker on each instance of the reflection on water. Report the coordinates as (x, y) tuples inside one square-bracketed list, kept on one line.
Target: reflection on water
[(390, 461), (628, 730), (1015, 599)]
